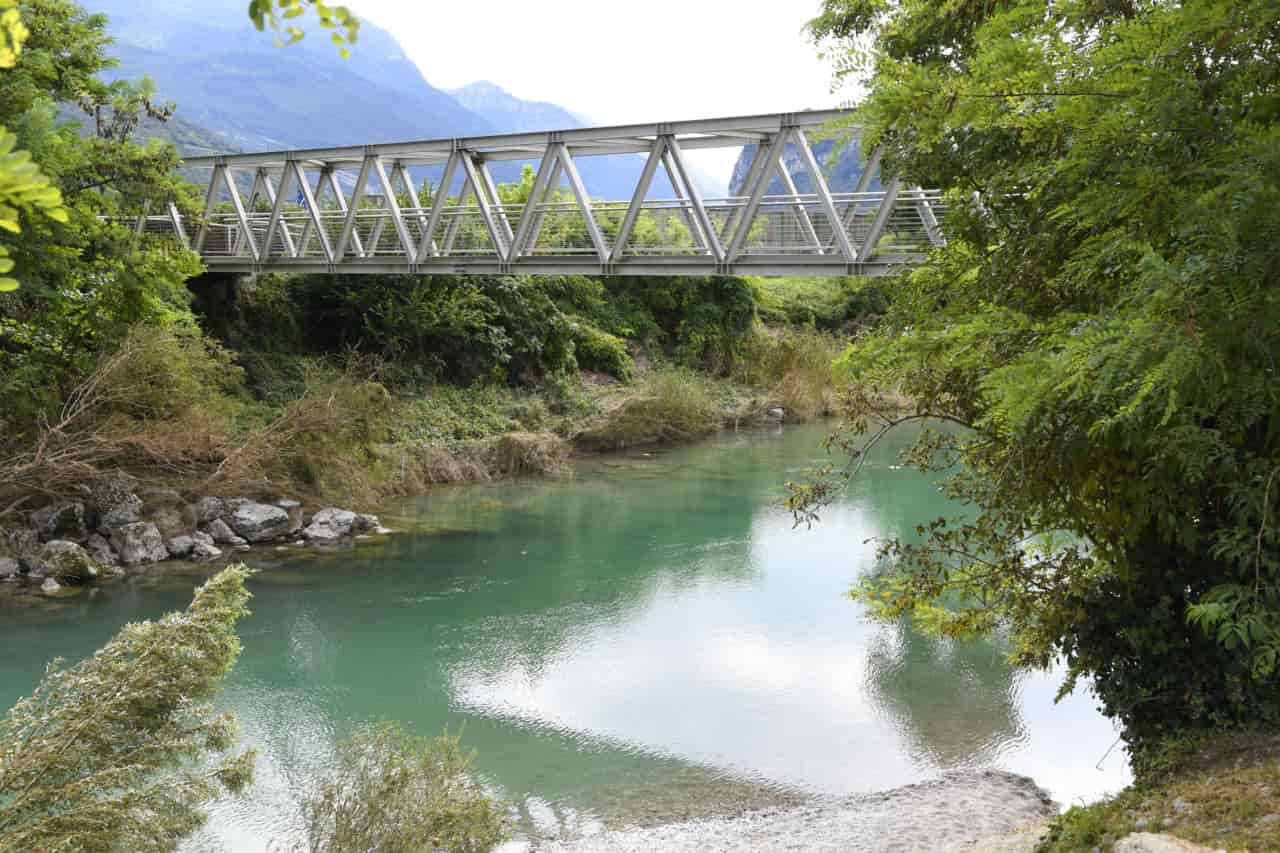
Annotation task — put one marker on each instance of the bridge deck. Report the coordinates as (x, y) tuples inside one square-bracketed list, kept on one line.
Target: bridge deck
[(360, 209)]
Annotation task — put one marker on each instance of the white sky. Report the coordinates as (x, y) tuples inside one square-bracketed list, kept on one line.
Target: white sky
[(616, 63)]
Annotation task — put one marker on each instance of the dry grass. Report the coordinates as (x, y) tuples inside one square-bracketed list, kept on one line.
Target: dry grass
[(530, 453), (667, 405)]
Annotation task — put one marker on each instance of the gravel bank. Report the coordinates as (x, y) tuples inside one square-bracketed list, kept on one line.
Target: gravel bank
[(949, 814)]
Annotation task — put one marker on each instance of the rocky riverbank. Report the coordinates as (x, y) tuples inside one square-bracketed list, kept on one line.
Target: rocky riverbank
[(953, 813), (114, 526)]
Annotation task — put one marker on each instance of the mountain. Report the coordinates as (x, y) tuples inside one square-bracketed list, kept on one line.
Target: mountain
[(235, 90), (842, 174), (205, 56), (512, 114)]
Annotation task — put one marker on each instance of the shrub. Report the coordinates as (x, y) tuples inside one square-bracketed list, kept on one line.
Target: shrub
[(824, 303), (601, 351), (669, 405), (106, 755), (395, 792)]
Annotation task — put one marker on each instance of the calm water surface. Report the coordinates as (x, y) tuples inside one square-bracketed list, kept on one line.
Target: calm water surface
[(646, 640)]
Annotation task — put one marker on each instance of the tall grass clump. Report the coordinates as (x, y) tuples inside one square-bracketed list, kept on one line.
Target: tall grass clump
[(796, 367), (671, 404)]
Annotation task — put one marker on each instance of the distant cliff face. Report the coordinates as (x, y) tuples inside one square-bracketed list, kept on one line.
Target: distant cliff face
[(842, 175)]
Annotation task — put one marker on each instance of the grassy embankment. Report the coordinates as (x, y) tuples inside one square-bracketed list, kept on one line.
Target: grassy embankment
[(351, 390), (1221, 792)]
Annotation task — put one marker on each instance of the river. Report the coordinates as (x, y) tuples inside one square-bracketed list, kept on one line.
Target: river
[(642, 640)]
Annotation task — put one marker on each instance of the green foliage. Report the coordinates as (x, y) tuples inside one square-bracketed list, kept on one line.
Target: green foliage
[(121, 751), (826, 303), (601, 351), (395, 792), (1105, 324), (343, 27)]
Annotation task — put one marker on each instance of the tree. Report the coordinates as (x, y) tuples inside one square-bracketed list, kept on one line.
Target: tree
[(395, 792), (24, 189), (1103, 326), (119, 752)]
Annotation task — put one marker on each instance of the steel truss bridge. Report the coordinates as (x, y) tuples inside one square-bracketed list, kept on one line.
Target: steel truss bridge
[(357, 209)]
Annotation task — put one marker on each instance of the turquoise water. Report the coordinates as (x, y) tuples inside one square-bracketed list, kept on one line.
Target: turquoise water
[(645, 639)]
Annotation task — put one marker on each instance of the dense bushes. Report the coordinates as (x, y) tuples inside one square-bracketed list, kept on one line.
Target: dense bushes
[(830, 304)]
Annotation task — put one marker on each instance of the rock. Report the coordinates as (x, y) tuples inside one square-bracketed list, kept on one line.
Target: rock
[(100, 549), (1181, 806), (775, 413), (139, 543), (50, 587), (329, 524), (364, 523), (169, 521), (127, 511), (383, 531), (294, 508), (9, 568), (66, 562), (221, 533), (1146, 842), (1269, 820), (1141, 823), (202, 538), (233, 504), (180, 546), (259, 522), (19, 542), (208, 509), (63, 521), (205, 551)]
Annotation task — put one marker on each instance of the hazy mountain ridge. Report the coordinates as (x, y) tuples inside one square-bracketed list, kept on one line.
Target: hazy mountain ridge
[(842, 174)]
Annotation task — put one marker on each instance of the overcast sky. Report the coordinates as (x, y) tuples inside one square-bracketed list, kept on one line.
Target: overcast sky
[(620, 62), (653, 60)]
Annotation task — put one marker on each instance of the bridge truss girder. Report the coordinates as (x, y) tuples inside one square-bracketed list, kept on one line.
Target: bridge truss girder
[(313, 211)]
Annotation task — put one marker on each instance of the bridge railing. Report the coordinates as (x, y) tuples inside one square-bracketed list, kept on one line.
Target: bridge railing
[(782, 225)]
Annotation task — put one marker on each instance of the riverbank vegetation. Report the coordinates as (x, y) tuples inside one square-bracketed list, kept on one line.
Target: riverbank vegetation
[(1104, 323)]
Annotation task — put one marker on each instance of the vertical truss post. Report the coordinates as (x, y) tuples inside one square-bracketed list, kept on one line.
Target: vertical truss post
[(314, 225), (824, 196), (414, 202), (758, 159), (864, 181), (331, 177), (739, 238), (277, 197), (393, 205), (428, 244), (552, 186), (584, 201), (802, 214), (210, 202), (928, 218), (357, 196), (545, 167), (491, 189), (241, 216), (452, 233), (637, 199), (699, 209), (486, 212), (882, 218), (682, 194), (175, 217)]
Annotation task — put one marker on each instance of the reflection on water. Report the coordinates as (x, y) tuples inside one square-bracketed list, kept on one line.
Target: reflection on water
[(646, 641)]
